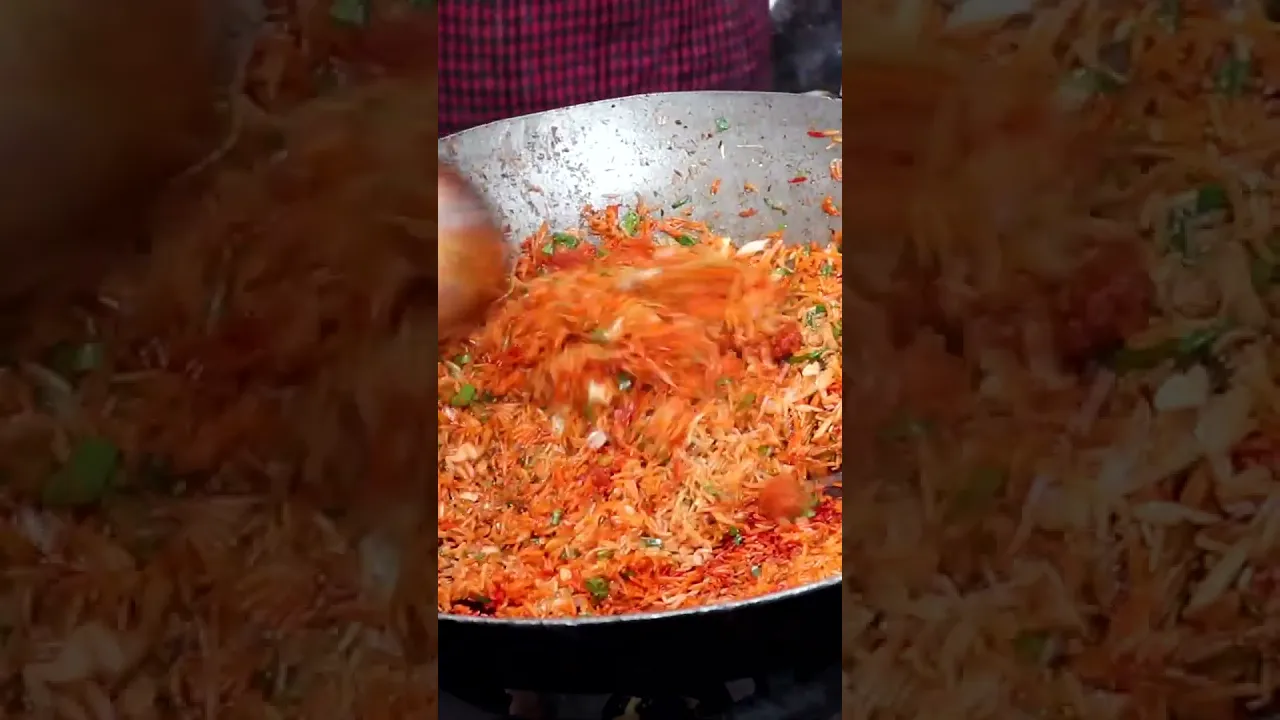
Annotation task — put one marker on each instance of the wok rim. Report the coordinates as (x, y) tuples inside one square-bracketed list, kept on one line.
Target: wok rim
[(690, 612), (578, 620), (761, 94)]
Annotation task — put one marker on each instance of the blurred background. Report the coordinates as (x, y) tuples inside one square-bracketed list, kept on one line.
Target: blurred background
[(806, 45)]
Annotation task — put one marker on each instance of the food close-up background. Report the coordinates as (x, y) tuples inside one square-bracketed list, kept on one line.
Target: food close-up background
[(806, 45), (213, 489)]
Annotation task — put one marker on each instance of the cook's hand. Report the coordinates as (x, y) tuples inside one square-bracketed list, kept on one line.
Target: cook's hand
[(103, 103), (473, 256)]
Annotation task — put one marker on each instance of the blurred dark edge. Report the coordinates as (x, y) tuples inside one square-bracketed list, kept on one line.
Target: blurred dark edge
[(806, 45)]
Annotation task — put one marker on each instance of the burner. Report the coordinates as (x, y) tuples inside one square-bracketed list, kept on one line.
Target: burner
[(799, 695), (710, 703)]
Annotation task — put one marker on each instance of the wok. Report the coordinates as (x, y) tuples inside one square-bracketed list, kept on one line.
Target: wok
[(664, 149)]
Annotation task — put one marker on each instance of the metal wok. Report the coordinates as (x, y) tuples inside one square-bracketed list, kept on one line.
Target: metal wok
[(663, 148)]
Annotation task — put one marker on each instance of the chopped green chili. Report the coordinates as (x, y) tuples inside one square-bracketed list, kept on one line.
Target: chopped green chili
[(464, 397)]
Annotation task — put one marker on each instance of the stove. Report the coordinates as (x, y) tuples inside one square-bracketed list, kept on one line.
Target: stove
[(803, 694)]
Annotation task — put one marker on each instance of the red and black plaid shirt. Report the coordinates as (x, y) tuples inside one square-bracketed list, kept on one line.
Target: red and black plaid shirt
[(503, 58)]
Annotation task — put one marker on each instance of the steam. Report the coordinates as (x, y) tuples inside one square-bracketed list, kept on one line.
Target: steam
[(806, 44)]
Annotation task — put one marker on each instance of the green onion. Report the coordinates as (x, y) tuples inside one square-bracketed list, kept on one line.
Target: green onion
[(835, 330), (462, 359), (807, 357), (87, 475), (721, 124), (775, 206), (598, 587), (556, 516), (1198, 342), (828, 269), (1211, 197), (652, 542), (736, 534), (561, 239), (815, 315), (765, 451), (1170, 15), (464, 397), (983, 486), (687, 240), (1031, 647), (747, 401), (625, 381), (681, 202), (1234, 73), (549, 249), (72, 359), (630, 222), (1189, 349), (756, 571), (350, 12)]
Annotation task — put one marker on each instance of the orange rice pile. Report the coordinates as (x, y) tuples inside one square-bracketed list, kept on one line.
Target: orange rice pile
[(636, 427), (1065, 295), (190, 465)]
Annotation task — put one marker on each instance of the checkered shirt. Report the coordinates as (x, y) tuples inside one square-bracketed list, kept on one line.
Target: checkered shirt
[(503, 58)]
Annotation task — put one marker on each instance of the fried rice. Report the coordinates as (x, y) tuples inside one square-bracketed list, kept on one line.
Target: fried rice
[(1064, 309), (636, 427), (187, 503)]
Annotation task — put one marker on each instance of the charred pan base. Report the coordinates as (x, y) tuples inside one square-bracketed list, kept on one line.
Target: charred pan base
[(645, 653)]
